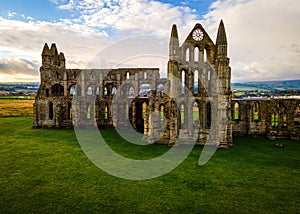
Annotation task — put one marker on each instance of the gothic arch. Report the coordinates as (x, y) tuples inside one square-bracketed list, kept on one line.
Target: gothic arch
[(57, 90), (187, 54), (236, 111), (196, 54), (72, 90)]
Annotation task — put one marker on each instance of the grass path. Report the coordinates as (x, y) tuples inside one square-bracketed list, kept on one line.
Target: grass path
[(45, 171)]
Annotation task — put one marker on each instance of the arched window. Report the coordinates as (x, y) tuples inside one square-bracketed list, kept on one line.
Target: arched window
[(57, 90), (114, 91), (72, 90), (196, 54), (182, 81), (204, 55), (256, 111), (69, 110), (105, 92), (284, 118), (131, 91), (88, 112), (50, 111), (127, 75), (97, 91), (275, 119), (145, 90), (106, 112), (187, 55), (144, 109), (89, 91), (236, 111), (208, 115), (196, 80)]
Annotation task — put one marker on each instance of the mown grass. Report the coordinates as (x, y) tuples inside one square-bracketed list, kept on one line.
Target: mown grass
[(45, 171), (15, 107)]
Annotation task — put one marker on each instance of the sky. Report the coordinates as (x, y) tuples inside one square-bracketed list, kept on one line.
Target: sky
[(263, 35)]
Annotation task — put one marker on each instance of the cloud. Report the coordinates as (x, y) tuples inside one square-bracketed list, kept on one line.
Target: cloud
[(18, 69), (11, 14), (263, 37), (140, 16), (26, 39)]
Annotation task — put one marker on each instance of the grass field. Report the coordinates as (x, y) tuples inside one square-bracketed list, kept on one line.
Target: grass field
[(45, 171), (15, 107)]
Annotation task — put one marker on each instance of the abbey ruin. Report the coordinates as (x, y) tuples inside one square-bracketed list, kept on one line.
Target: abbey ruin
[(161, 108)]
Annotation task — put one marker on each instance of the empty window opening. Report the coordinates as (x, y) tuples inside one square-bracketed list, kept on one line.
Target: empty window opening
[(114, 91), (131, 91), (275, 119), (196, 80), (256, 111), (204, 55), (187, 55), (145, 90), (105, 92), (236, 111), (196, 112), (196, 54), (51, 111), (89, 91), (88, 112), (72, 90), (182, 82)]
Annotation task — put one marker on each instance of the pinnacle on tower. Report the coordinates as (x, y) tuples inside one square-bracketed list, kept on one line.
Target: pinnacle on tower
[(53, 48), (221, 38), (174, 33), (54, 54), (46, 50), (61, 59), (174, 43), (61, 56)]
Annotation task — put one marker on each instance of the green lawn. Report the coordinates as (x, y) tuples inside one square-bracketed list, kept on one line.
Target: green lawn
[(45, 171)]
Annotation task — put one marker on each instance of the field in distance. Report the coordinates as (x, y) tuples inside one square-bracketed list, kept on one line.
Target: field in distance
[(16, 107)]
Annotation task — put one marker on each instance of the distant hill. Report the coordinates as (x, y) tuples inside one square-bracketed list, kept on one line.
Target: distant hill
[(269, 85)]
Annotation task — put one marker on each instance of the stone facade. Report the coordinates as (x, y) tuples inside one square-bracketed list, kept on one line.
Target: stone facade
[(275, 118), (160, 108)]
